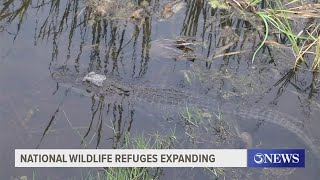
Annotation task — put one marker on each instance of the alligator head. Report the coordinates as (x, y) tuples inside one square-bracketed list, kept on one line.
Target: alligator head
[(92, 82)]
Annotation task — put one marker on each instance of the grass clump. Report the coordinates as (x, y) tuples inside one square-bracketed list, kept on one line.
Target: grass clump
[(127, 174), (278, 18), (155, 141)]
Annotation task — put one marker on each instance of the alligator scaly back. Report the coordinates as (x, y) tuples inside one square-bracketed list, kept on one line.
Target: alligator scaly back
[(183, 99), (278, 118), (177, 97)]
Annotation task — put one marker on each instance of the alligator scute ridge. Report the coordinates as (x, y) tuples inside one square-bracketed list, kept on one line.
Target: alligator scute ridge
[(175, 97), (280, 119)]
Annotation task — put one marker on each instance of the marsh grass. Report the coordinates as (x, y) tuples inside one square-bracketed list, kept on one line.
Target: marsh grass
[(151, 141), (281, 19), (280, 16), (202, 126), (127, 174), (193, 116), (316, 62), (200, 121)]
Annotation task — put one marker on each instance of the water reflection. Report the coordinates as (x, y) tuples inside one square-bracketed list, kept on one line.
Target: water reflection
[(222, 45)]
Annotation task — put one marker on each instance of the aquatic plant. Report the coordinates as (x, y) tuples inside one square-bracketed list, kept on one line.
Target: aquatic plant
[(278, 16)]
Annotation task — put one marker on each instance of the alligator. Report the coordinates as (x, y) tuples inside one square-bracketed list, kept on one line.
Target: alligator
[(112, 86)]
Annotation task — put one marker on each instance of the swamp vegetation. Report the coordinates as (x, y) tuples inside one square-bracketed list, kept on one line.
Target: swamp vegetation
[(189, 62)]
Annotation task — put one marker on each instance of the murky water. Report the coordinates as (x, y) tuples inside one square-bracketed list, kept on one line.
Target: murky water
[(198, 49)]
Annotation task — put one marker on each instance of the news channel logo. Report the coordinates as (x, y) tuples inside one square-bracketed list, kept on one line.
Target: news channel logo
[(276, 158)]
